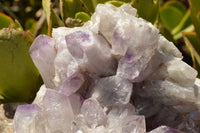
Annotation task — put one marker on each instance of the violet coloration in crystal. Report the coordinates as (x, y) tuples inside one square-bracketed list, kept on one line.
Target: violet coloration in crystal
[(115, 74)]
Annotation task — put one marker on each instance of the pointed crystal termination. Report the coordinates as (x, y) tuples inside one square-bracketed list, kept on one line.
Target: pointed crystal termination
[(71, 84), (133, 124), (123, 119), (112, 90), (120, 112), (76, 101), (119, 119), (91, 52), (58, 111), (93, 113), (43, 53), (181, 73), (144, 39), (40, 95), (25, 118), (101, 17), (65, 67), (134, 47), (165, 129)]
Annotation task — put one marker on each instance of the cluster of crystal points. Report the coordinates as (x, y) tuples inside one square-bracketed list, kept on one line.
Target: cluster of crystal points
[(110, 76)]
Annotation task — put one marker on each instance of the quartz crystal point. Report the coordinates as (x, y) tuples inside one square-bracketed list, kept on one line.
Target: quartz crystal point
[(144, 39), (165, 129), (76, 101), (120, 119), (27, 118), (58, 110), (112, 90), (71, 84), (43, 53), (125, 40), (110, 76), (91, 51), (93, 113), (120, 112), (101, 17), (40, 95)]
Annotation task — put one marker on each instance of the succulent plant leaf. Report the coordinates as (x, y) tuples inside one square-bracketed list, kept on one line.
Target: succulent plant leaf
[(147, 9), (193, 44), (5, 20), (19, 78), (82, 16), (116, 3), (195, 14)]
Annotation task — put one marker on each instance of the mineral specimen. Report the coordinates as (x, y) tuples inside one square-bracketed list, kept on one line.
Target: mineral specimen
[(110, 76)]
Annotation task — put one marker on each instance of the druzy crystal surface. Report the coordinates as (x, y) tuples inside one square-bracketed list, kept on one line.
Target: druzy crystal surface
[(115, 74)]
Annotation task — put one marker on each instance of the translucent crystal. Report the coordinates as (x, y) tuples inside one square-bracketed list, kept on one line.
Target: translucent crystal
[(79, 125), (93, 113), (65, 66), (151, 67), (76, 101), (121, 111), (140, 49), (91, 51), (165, 129), (25, 118), (58, 111), (169, 90), (71, 84), (43, 53), (112, 90), (109, 13), (181, 73), (133, 124), (40, 95), (130, 124), (168, 49)]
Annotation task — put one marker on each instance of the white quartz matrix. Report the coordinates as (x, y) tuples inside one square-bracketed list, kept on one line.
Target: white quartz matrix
[(115, 74)]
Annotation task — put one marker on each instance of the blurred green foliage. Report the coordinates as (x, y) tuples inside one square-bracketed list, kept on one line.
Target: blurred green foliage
[(19, 78), (192, 39), (178, 21)]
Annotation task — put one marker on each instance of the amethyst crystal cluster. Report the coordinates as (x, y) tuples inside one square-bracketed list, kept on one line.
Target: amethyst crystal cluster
[(115, 74)]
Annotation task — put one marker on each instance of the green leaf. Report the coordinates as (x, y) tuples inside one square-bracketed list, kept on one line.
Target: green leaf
[(166, 33), (5, 20), (16, 25), (178, 5), (31, 25), (147, 9), (170, 17), (180, 35), (19, 78), (193, 44), (116, 3), (90, 5), (46, 4), (195, 14), (82, 16), (56, 21), (184, 23), (52, 18), (69, 8), (174, 16)]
